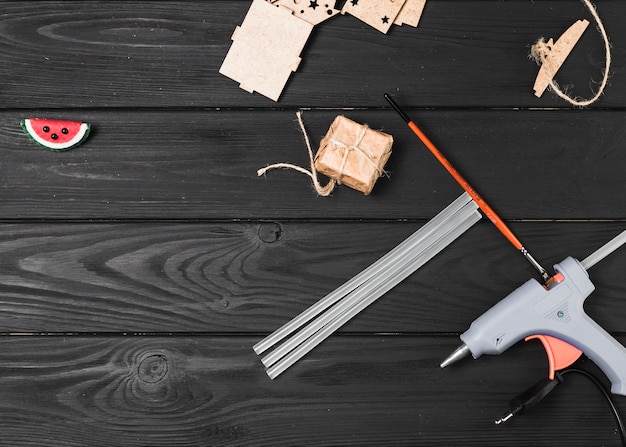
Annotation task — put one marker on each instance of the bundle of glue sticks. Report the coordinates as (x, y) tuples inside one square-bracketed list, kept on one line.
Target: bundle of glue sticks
[(339, 306)]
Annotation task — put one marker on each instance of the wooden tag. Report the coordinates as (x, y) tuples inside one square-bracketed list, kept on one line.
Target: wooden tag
[(410, 13), (312, 11), (556, 54), (379, 14), (266, 49)]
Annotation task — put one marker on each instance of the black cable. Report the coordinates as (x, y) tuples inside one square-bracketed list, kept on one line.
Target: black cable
[(607, 396), (527, 400)]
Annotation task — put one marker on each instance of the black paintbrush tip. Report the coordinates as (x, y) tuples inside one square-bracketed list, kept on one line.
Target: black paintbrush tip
[(397, 108)]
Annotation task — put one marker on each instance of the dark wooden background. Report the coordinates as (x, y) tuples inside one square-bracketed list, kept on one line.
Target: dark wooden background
[(137, 271)]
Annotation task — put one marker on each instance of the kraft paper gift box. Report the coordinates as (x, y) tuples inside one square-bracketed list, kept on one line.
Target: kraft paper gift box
[(353, 154)]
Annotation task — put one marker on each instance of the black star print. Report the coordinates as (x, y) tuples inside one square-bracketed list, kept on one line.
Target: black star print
[(355, 2), (313, 4), (385, 19)]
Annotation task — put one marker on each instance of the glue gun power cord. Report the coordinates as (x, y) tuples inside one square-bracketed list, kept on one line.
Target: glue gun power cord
[(527, 400)]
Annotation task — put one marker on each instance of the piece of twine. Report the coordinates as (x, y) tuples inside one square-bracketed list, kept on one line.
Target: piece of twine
[(330, 186), (540, 51), (321, 190)]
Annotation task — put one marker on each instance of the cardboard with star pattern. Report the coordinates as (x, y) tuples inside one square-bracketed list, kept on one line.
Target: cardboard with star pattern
[(379, 14), (312, 11), (266, 47)]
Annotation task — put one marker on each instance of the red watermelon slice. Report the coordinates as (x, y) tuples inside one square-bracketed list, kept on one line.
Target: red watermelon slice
[(56, 135)]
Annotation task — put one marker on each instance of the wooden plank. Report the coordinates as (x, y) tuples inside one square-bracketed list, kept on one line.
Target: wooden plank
[(254, 277), (139, 270), (203, 164), (184, 391), (167, 54)]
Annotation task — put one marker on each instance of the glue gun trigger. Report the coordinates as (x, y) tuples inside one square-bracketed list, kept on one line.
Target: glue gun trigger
[(560, 354)]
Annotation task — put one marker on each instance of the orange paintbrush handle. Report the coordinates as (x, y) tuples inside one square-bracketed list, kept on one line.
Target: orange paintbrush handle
[(489, 212), (486, 209)]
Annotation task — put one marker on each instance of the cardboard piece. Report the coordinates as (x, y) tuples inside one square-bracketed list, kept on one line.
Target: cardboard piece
[(353, 154), (380, 14), (311, 11), (266, 49), (410, 13), (553, 54)]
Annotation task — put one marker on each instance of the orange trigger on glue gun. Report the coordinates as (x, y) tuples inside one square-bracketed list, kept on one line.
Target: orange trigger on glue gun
[(560, 354)]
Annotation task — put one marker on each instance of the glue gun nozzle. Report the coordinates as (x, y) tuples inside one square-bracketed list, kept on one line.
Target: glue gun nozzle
[(459, 353)]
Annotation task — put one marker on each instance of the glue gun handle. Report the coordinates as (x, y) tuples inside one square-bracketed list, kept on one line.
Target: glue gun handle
[(602, 348)]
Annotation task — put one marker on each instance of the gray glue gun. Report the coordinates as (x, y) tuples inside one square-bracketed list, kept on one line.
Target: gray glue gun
[(554, 310)]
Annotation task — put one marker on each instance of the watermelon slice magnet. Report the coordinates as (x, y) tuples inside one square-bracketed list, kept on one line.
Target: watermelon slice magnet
[(56, 135)]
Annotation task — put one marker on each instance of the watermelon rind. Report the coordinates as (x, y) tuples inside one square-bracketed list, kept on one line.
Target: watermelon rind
[(83, 133)]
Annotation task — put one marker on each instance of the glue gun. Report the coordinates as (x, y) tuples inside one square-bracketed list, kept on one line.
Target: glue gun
[(554, 310)]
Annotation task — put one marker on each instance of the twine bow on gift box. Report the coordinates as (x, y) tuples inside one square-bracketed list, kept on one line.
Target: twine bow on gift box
[(354, 147)]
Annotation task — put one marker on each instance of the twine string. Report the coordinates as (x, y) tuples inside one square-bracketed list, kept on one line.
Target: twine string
[(321, 190), (540, 51)]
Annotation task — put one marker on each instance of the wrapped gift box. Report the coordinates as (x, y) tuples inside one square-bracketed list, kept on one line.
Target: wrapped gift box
[(353, 154)]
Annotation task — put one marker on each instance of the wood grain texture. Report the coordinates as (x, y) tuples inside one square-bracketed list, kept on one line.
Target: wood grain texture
[(198, 165), (242, 277), (212, 391), (138, 270), (150, 53)]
